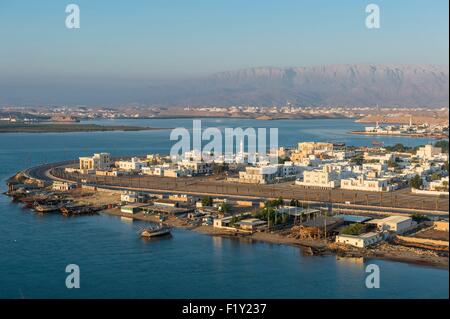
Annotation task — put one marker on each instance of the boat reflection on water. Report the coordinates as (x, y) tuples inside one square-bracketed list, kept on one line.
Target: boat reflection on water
[(351, 260)]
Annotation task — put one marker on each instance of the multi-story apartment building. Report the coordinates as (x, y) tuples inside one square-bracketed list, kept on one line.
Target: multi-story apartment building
[(100, 161)]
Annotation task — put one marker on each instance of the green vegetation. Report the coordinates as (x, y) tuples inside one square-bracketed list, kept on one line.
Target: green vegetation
[(442, 144), (207, 201), (269, 212), (353, 229), (435, 176), (274, 203), (295, 203), (393, 164), (418, 218), (399, 147), (358, 159), (416, 182), (224, 207), (235, 219), (65, 128)]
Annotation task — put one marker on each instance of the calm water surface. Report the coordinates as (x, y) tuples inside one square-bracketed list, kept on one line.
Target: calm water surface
[(114, 262)]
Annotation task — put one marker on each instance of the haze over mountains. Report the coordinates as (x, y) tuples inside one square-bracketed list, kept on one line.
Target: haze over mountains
[(332, 85), (353, 85)]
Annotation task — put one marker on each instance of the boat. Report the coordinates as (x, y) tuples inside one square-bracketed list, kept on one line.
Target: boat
[(155, 231), (377, 143), (78, 210), (46, 208)]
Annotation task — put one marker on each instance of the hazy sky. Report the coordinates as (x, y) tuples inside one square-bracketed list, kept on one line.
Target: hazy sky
[(156, 39)]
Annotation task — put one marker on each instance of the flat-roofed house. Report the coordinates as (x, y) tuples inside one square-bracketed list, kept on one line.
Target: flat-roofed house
[(132, 208), (63, 186), (222, 222), (397, 224), (251, 224), (325, 177), (361, 241)]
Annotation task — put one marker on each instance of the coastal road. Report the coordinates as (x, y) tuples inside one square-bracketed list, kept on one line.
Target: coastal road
[(41, 172)]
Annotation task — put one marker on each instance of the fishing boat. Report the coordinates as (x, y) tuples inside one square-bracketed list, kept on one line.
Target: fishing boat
[(46, 208), (155, 231)]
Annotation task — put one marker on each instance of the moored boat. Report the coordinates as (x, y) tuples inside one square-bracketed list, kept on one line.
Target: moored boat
[(42, 208), (156, 231)]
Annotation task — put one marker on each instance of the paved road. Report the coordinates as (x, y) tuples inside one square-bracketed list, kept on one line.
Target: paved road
[(41, 172), (400, 199)]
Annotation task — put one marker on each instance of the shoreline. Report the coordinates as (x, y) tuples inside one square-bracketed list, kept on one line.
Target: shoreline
[(412, 135), (72, 128), (312, 248)]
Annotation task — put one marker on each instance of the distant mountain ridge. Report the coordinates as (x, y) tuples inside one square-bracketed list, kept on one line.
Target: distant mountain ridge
[(331, 85)]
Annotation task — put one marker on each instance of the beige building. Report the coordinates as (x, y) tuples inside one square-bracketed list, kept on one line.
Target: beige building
[(310, 148), (428, 151), (100, 161), (63, 186)]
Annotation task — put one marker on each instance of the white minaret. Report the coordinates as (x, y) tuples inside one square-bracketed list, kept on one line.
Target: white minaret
[(241, 148)]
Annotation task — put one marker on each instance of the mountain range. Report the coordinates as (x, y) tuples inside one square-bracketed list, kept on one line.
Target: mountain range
[(330, 85), (333, 85)]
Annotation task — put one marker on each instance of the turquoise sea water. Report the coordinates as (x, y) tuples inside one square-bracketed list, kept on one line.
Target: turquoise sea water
[(114, 262)]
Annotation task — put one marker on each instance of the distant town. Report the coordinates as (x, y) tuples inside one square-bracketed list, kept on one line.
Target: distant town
[(67, 114)]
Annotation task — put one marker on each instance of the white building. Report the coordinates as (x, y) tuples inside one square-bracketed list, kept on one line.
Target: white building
[(166, 170), (363, 183), (381, 157), (132, 197), (361, 241), (197, 167), (259, 175), (153, 170), (325, 178), (135, 165), (224, 222), (376, 167)]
